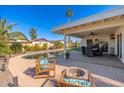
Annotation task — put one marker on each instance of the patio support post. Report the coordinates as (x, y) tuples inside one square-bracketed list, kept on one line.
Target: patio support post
[(64, 45), (81, 42)]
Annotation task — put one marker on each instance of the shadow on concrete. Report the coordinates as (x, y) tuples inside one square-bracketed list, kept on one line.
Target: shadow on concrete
[(30, 72), (49, 83)]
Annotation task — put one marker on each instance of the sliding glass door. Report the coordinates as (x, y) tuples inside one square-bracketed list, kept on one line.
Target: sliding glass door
[(119, 45)]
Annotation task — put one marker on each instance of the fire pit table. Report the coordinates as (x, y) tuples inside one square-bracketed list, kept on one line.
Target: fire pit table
[(76, 77), (77, 73)]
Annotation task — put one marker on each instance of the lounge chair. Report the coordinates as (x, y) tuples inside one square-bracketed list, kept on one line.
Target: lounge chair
[(63, 83), (44, 72)]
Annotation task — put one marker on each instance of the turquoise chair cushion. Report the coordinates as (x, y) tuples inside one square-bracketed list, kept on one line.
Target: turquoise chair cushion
[(43, 63), (78, 82)]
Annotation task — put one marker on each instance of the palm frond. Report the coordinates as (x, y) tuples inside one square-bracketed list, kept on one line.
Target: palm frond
[(9, 27)]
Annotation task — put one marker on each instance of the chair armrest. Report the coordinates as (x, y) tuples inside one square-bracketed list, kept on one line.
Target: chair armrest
[(91, 80), (37, 63), (50, 66), (63, 75)]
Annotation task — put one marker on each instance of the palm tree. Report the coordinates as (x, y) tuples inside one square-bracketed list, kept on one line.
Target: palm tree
[(32, 33), (69, 14), (4, 29)]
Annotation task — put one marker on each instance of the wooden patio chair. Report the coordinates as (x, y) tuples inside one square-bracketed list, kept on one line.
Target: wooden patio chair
[(62, 83), (45, 72)]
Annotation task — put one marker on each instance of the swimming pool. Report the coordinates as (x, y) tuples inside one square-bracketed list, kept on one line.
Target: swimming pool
[(45, 55)]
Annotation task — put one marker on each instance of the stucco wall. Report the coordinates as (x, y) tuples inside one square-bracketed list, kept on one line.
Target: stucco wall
[(120, 30), (41, 43)]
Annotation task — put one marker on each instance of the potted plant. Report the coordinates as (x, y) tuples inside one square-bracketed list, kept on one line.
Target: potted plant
[(67, 55)]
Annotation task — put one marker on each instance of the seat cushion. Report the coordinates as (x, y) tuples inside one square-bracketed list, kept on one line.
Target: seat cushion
[(44, 66), (43, 61), (78, 82)]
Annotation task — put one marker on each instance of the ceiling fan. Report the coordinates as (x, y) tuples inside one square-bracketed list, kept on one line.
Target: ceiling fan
[(93, 33)]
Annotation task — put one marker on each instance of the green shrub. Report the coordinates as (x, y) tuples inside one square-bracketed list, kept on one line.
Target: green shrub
[(45, 46), (27, 48), (4, 49), (58, 44), (36, 47), (77, 44), (71, 45), (16, 47)]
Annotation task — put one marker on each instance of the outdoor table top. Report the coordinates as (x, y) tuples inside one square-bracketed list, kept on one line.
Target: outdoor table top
[(73, 72)]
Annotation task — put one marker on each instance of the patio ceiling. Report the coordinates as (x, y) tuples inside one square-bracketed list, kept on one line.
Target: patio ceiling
[(109, 30)]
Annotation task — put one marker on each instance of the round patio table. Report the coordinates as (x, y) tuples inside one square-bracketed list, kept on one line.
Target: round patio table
[(75, 72)]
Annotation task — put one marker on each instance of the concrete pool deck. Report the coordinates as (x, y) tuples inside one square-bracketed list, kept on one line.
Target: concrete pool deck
[(105, 76), (24, 69), (6, 78)]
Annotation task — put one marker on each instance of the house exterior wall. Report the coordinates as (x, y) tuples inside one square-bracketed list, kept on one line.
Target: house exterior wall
[(41, 43), (103, 37), (23, 42), (62, 42), (120, 30)]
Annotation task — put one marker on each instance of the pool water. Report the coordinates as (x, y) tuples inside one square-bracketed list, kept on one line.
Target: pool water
[(46, 55)]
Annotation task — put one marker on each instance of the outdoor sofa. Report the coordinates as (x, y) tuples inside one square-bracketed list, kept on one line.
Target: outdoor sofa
[(64, 83)]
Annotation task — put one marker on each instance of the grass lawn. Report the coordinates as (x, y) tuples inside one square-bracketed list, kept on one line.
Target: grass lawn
[(74, 49)]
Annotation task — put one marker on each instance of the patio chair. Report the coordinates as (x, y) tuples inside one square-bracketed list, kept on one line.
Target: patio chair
[(44, 72), (62, 83), (83, 50), (88, 51)]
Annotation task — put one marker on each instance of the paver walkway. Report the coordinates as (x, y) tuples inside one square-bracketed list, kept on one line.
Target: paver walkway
[(106, 60)]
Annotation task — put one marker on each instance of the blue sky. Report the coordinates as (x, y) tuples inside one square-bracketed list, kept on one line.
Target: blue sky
[(43, 18)]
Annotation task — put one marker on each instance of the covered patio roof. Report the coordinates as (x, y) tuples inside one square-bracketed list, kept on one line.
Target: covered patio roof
[(105, 22), (109, 30)]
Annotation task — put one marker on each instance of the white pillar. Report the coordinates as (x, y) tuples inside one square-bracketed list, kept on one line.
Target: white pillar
[(81, 42), (64, 45)]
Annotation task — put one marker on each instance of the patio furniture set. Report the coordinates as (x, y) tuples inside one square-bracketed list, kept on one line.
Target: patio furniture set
[(71, 77), (91, 51)]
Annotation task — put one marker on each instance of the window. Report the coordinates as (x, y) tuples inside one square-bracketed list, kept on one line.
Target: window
[(89, 42)]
